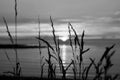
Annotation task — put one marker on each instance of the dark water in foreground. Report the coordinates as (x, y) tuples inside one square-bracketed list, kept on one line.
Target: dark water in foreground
[(29, 58)]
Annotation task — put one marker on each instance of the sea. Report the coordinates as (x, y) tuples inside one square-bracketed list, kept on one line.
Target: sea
[(30, 57)]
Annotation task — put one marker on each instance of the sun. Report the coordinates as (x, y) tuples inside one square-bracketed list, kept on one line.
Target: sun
[(63, 38)]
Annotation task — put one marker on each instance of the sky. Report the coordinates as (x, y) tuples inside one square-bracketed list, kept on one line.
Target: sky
[(99, 18)]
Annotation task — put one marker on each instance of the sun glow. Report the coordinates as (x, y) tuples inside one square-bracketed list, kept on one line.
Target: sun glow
[(63, 38)]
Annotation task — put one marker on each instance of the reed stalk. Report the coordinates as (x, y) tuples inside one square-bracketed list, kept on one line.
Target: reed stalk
[(16, 52), (40, 52), (8, 58), (73, 52), (51, 67), (17, 68), (80, 44), (59, 59), (103, 68)]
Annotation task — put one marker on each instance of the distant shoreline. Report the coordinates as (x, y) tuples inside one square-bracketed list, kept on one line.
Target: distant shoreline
[(19, 46)]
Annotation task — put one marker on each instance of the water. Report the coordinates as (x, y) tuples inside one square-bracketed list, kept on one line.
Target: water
[(30, 59)]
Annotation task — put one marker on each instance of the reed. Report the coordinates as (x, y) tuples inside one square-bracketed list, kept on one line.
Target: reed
[(56, 56), (98, 70), (103, 68), (17, 69), (78, 59), (73, 52), (53, 31), (50, 65), (59, 59), (80, 44), (51, 68), (86, 71), (8, 58), (9, 34), (40, 52)]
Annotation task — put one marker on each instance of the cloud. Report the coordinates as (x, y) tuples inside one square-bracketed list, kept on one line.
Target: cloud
[(107, 21), (95, 27)]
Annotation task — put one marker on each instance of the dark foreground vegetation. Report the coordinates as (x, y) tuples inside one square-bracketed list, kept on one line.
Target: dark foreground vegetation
[(26, 78), (80, 71)]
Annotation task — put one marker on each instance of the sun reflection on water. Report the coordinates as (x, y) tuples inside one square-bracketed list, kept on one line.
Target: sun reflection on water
[(63, 49)]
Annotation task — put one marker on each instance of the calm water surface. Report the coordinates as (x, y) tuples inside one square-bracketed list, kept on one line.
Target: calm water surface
[(30, 59)]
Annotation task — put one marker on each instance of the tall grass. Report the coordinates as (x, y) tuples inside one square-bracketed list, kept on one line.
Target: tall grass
[(85, 72), (8, 58), (80, 44), (101, 67), (56, 56), (82, 70), (40, 52), (59, 59), (73, 52), (17, 69), (51, 67)]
